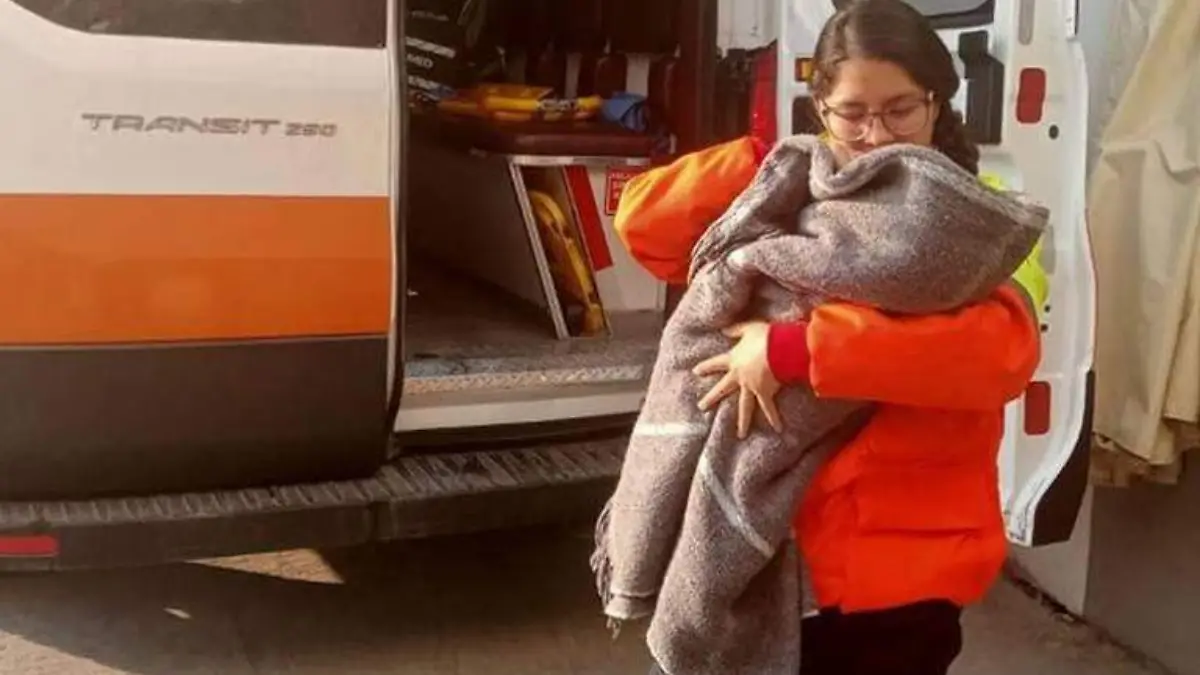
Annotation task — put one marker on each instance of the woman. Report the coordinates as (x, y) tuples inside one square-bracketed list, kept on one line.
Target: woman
[(902, 528)]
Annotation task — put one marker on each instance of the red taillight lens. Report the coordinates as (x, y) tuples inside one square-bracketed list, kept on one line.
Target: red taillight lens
[(28, 546), (1031, 96), (1037, 409)]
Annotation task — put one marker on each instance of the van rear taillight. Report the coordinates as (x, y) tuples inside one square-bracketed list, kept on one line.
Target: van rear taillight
[(28, 546), (1031, 96), (1037, 409)]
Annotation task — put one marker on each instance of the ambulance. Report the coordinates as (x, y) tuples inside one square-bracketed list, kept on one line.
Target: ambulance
[(257, 294)]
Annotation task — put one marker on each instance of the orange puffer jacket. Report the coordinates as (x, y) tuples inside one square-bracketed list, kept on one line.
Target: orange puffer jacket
[(910, 509)]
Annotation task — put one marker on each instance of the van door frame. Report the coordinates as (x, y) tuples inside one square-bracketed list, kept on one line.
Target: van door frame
[(698, 57), (698, 60), (397, 10)]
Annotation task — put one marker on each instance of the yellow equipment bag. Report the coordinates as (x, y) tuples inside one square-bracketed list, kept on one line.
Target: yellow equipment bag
[(520, 103), (568, 264)]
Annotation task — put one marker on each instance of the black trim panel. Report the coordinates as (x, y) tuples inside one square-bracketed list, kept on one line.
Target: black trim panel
[(86, 422), (1057, 513), (984, 80)]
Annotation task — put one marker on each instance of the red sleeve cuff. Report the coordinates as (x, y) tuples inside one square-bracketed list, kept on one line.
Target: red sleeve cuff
[(787, 352)]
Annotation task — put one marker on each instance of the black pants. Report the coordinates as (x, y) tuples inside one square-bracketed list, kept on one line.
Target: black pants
[(920, 639)]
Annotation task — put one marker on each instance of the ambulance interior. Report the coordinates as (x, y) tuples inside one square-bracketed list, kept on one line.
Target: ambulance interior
[(525, 118)]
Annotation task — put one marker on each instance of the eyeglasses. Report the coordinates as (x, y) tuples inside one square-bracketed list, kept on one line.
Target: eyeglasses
[(851, 124)]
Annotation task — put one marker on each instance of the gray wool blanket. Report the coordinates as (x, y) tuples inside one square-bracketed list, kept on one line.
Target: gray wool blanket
[(697, 532)]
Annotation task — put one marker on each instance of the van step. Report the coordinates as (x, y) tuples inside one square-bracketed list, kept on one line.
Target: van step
[(414, 496), (461, 368)]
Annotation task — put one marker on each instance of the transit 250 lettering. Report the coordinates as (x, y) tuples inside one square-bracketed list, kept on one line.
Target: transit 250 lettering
[(229, 126)]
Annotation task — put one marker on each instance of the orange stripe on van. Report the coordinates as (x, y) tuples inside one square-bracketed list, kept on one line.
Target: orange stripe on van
[(104, 269)]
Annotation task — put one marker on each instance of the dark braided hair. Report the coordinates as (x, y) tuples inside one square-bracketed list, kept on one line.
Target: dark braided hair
[(951, 137), (893, 31)]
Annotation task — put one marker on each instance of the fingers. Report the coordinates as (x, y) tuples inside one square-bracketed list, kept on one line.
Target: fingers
[(724, 388), (746, 401), (771, 412), (714, 366), (735, 331)]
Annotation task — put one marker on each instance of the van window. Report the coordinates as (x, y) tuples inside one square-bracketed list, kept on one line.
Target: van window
[(343, 23), (943, 7), (950, 13)]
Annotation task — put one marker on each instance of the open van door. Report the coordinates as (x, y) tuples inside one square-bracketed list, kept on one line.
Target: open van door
[(1025, 101)]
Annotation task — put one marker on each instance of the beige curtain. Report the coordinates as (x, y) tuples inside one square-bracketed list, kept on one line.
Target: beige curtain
[(1144, 214)]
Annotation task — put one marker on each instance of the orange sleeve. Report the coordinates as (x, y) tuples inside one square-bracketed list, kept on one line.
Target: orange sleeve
[(664, 211), (978, 358)]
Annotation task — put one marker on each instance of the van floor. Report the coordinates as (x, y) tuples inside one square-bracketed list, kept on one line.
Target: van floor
[(462, 335)]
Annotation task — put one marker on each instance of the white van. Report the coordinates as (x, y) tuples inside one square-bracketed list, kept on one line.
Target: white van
[(254, 297)]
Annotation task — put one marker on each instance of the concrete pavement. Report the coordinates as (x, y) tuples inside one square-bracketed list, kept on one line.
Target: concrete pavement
[(518, 604)]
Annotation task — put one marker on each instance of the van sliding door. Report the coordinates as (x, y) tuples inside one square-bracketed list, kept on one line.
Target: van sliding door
[(197, 242)]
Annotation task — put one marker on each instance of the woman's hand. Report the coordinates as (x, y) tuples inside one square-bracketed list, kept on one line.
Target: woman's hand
[(746, 371)]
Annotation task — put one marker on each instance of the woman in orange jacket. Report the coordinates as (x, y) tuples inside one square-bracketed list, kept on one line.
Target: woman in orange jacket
[(903, 526)]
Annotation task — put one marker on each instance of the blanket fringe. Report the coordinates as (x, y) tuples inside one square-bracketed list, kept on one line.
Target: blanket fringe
[(600, 562)]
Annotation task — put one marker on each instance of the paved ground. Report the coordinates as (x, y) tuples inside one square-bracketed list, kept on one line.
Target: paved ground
[(497, 605)]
